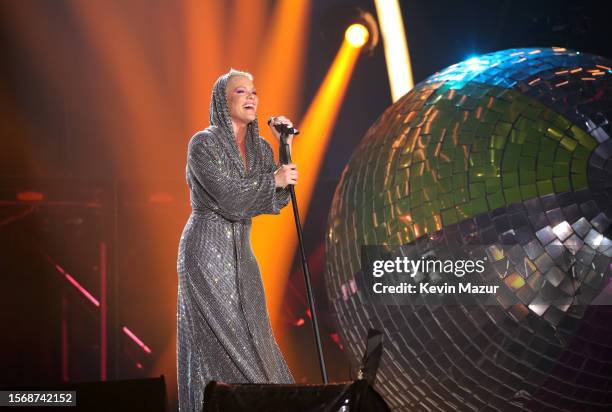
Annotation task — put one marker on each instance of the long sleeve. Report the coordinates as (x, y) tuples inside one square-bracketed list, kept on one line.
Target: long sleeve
[(233, 198), (281, 195)]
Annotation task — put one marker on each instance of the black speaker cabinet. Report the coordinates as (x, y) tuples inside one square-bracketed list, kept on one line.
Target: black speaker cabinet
[(357, 396)]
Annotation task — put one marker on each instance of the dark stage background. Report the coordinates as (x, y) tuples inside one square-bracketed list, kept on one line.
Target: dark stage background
[(98, 100)]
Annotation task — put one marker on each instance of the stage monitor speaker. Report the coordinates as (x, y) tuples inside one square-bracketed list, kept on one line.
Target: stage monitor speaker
[(357, 396)]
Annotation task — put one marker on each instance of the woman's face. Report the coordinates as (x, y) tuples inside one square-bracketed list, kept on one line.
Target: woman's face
[(242, 99)]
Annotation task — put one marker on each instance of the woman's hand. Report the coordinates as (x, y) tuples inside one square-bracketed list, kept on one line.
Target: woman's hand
[(286, 175), (280, 120)]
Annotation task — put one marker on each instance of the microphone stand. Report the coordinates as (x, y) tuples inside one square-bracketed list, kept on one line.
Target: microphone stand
[(285, 158)]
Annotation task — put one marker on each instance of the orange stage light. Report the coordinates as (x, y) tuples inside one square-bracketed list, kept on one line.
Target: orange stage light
[(357, 35), (270, 233)]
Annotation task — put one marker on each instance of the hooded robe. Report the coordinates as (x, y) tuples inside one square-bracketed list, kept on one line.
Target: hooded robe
[(223, 327)]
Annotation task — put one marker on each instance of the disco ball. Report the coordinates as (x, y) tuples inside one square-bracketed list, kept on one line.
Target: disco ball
[(510, 152)]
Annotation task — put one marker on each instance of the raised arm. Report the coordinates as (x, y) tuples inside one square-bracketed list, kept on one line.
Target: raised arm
[(281, 195)]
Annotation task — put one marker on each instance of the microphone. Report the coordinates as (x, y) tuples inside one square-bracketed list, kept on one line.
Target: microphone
[(283, 128)]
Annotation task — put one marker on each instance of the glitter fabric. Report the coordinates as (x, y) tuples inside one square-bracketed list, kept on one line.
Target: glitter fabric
[(223, 328)]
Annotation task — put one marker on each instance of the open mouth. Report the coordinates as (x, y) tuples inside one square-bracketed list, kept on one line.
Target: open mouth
[(249, 107)]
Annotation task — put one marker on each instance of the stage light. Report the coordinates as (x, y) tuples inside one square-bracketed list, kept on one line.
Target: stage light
[(397, 57), (282, 87), (357, 35), (475, 64), (317, 126), (30, 196), (135, 338), (352, 25)]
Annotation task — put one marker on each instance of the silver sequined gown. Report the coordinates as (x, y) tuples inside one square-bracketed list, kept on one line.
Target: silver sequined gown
[(223, 328)]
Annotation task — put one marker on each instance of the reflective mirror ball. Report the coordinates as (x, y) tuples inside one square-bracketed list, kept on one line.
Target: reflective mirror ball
[(509, 152)]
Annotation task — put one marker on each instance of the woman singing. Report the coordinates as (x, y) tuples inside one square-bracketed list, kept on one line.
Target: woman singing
[(223, 329)]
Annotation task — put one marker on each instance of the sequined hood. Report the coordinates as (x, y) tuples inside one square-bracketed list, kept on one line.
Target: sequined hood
[(219, 111), (220, 119)]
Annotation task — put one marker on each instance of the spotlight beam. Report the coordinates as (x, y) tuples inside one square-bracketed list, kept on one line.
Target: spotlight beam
[(399, 68), (308, 152), (281, 89)]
